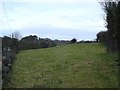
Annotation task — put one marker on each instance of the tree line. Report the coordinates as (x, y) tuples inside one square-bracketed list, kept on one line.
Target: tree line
[(31, 42), (111, 37), (28, 42)]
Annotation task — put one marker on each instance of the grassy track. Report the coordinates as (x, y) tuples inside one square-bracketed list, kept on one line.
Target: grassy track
[(71, 66)]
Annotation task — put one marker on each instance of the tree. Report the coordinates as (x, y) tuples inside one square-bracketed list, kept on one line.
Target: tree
[(33, 42), (73, 40), (112, 11), (29, 42), (102, 36), (10, 42), (16, 35)]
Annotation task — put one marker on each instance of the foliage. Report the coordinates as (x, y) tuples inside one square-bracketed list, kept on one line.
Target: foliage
[(82, 41), (28, 42), (32, 42), (11, 43), (61, 42), (102, 36), (112, 38), (73, 40)]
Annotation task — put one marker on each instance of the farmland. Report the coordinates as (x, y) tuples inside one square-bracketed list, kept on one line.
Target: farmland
[(85, 65)]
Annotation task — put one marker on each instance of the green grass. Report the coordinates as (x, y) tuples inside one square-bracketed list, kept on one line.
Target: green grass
[(67, 66)]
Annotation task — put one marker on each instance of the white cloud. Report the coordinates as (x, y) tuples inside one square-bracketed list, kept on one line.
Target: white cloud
[(21, 17), (62, 17)]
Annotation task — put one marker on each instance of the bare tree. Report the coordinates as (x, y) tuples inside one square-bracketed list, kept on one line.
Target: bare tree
[(16, 35)]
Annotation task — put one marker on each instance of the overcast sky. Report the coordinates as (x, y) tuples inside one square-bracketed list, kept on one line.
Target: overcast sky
[(54, 19)]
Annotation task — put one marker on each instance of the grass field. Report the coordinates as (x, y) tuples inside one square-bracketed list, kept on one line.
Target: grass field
[(68, 66)]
